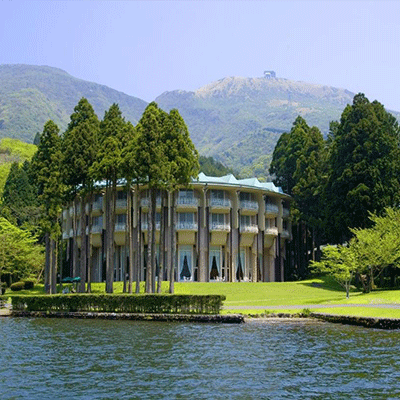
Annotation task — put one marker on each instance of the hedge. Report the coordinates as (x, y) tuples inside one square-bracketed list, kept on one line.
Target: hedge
[(122, 303)]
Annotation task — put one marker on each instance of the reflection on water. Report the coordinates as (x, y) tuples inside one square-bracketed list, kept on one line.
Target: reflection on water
[(86, 359)]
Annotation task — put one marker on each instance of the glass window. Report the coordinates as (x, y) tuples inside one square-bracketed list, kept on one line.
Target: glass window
[(186, 217)]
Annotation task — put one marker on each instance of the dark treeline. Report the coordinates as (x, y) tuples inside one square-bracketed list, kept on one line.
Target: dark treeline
[(337, 182)]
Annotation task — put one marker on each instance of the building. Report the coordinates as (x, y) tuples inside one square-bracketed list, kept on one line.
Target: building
[(227, 230)]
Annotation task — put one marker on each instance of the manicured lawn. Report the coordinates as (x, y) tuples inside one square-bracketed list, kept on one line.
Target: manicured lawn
[(265, 296)]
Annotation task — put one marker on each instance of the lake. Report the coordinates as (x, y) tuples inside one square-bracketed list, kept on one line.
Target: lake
[(99, 359)]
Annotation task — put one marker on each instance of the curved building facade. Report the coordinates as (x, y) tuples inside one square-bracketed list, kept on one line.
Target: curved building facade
[(226, 230)]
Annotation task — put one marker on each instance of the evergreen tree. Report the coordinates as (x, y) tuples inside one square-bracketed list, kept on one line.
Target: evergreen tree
[(80, 145), (46, 170), (152, 165), (113, 138), (181, 166), (363, 167), (19, 203)]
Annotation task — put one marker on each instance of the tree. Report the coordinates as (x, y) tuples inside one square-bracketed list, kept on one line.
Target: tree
[(299, 167), (46, 170), (153, 167), (113, 138), (181, 166), (19, 203), (20, 255), (363, 167), (79, 147), (340, 262)]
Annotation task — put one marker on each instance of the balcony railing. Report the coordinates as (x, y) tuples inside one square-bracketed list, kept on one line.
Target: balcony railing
[(225, 203), (249, 229), (271, 209), (186, 226), (145, 226), (249, 205), (271, 231), (145, 202), (120, 227), (97, 228), (120, 204), (97, 205), (216, 226), (187, 201)]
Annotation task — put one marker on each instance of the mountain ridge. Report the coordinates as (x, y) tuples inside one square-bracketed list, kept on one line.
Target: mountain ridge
[(237, 120)]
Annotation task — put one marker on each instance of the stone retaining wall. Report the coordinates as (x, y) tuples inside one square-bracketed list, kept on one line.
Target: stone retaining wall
[(213, 318), (368, 322)]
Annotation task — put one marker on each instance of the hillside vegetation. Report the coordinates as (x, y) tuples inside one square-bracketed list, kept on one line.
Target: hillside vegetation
[(13, 150), (31, 95), (236, 120)]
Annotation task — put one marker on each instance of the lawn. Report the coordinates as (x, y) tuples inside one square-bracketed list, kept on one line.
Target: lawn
[(266, 297)]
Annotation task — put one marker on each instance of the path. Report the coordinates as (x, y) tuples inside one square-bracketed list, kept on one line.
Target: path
[(311, 306)]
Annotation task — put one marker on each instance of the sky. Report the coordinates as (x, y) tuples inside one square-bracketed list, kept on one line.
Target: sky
[(144, 48)]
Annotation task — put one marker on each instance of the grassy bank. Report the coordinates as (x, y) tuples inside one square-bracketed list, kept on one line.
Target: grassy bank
[(262, 298)]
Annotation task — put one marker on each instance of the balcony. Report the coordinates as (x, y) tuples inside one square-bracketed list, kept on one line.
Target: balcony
[(215, 226), (97, 228), (120, 227), (220, 203), (97, 205), (120, 204), (273, 231), (249, 205), (271, 209), (249, 229), (186, 226), (145, 202), (187, 202), (145, 226), (285, 212)]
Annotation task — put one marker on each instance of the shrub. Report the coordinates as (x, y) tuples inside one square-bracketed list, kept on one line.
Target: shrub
[(29, 285), (125, 303), (17, 286)]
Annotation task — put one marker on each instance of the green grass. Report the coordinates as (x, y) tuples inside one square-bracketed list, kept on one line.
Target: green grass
[(267, 296)]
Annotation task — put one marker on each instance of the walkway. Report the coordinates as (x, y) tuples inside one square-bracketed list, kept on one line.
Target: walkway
[(311, 306)]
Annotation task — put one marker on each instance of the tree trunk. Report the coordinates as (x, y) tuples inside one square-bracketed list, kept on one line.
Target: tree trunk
[(82, 268), (47, 264), (90, 260), (129, 246), (149, 266), (173, 245), (162, 245), (153, 241), (75, 240), (109, 238), (138, 259)]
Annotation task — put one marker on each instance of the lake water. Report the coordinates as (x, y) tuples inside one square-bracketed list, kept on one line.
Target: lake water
[(89, 359)]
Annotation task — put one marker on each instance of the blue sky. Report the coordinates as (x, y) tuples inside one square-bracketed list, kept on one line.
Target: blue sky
[(144, 48)]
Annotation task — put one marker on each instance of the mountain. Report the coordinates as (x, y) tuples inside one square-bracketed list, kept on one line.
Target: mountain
[(236, 120), (31, 95)]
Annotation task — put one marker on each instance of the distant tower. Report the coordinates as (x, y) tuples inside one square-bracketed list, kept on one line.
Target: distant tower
[(269, 74)]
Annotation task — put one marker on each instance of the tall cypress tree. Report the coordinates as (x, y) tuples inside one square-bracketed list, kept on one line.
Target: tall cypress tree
[(113, 137), (181, 166), (46, 169), (80, 146)]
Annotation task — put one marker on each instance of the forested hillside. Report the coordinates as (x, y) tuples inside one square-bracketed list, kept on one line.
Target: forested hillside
[(236, 120), (31, 95)]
